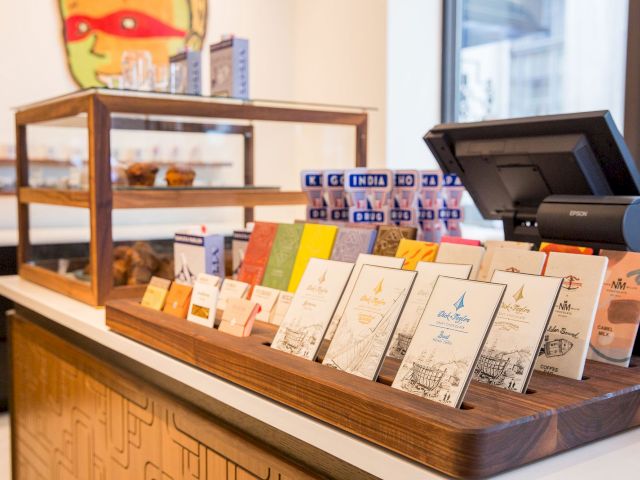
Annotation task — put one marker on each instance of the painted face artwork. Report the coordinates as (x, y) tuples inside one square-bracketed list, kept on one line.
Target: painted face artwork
[(96, 33)]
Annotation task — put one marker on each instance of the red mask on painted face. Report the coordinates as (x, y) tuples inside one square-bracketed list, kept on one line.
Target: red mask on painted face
[(123, 23)]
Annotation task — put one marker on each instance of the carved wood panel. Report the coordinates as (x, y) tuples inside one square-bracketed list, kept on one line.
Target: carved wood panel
[(74, 417)]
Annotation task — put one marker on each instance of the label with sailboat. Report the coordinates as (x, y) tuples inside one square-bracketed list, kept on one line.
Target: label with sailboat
[(509, 355), (447, 342), (369, 319), (307, 319)]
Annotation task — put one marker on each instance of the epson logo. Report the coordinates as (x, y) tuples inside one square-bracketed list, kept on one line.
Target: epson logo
[(368, 180), (578, 213)]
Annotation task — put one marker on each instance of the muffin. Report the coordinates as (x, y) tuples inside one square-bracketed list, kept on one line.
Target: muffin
[(180, 176), (142, 174)]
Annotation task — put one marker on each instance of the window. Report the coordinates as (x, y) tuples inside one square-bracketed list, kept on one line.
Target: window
[(514, 58)]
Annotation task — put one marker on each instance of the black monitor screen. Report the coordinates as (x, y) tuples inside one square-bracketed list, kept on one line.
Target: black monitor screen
[(510, 166)]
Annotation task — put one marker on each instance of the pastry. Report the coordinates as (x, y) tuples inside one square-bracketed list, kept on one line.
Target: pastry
[(142, 174), (180, 175)]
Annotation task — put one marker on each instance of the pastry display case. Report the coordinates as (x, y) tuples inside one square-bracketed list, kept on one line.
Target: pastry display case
[(104, 187)]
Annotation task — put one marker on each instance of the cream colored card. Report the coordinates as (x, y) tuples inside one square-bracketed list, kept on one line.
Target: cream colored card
[(281, 307), (441, 358), (306, 321), (238, 317), (369, 319), (461, 254), (363, 259), (266, 297), (204, 298), (156, 293), (566, 341), (492, 246), (517, 261), (428, 273), (509, 355), (231, 289)]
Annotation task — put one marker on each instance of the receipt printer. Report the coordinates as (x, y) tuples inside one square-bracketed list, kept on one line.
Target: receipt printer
[(611, 222)]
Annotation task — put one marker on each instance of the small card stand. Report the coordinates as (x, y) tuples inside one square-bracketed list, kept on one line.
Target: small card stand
[(495, 430)]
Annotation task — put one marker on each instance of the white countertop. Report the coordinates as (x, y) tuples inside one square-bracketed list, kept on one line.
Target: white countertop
[(615, 457)]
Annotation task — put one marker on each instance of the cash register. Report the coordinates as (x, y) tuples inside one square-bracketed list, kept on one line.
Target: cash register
[(560, 178)]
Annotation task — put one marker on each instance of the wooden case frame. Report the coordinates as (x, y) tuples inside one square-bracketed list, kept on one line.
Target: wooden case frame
[(100, 199), (495, 430)]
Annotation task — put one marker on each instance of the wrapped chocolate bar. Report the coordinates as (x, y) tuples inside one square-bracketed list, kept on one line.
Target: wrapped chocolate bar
[(429, 226), (369, 193), (337, 204), (313, 184), (404, 197)]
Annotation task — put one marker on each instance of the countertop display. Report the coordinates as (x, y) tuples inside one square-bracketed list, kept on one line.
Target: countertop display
[(613, 456)]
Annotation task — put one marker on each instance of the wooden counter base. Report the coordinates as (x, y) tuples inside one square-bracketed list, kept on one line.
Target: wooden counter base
[(76, 416), (494, 431)]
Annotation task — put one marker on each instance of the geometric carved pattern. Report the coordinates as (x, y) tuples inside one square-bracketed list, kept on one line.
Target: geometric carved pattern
[(77, 418)]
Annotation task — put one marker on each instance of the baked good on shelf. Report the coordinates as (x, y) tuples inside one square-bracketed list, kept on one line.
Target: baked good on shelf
[(142, 174), (180, 175)]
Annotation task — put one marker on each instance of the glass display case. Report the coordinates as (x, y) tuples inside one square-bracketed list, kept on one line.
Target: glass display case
[(99, 185)]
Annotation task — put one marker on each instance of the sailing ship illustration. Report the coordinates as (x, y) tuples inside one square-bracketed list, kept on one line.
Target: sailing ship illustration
[(402, 344), (555, 348), (491, 368), (292, 340), (424, 378), (353, 357)]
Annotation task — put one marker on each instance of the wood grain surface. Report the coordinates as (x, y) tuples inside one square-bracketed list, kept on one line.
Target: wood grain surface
[(75, 417), (495, 430)]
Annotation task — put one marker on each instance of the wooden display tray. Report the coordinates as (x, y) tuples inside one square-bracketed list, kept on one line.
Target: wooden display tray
[(495, 430)]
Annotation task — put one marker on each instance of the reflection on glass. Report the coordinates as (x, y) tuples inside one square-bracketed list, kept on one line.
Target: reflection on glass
[(536, 57)]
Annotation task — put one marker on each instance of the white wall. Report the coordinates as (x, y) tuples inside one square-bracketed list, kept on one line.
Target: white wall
[(331, 51), (414, 60)]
